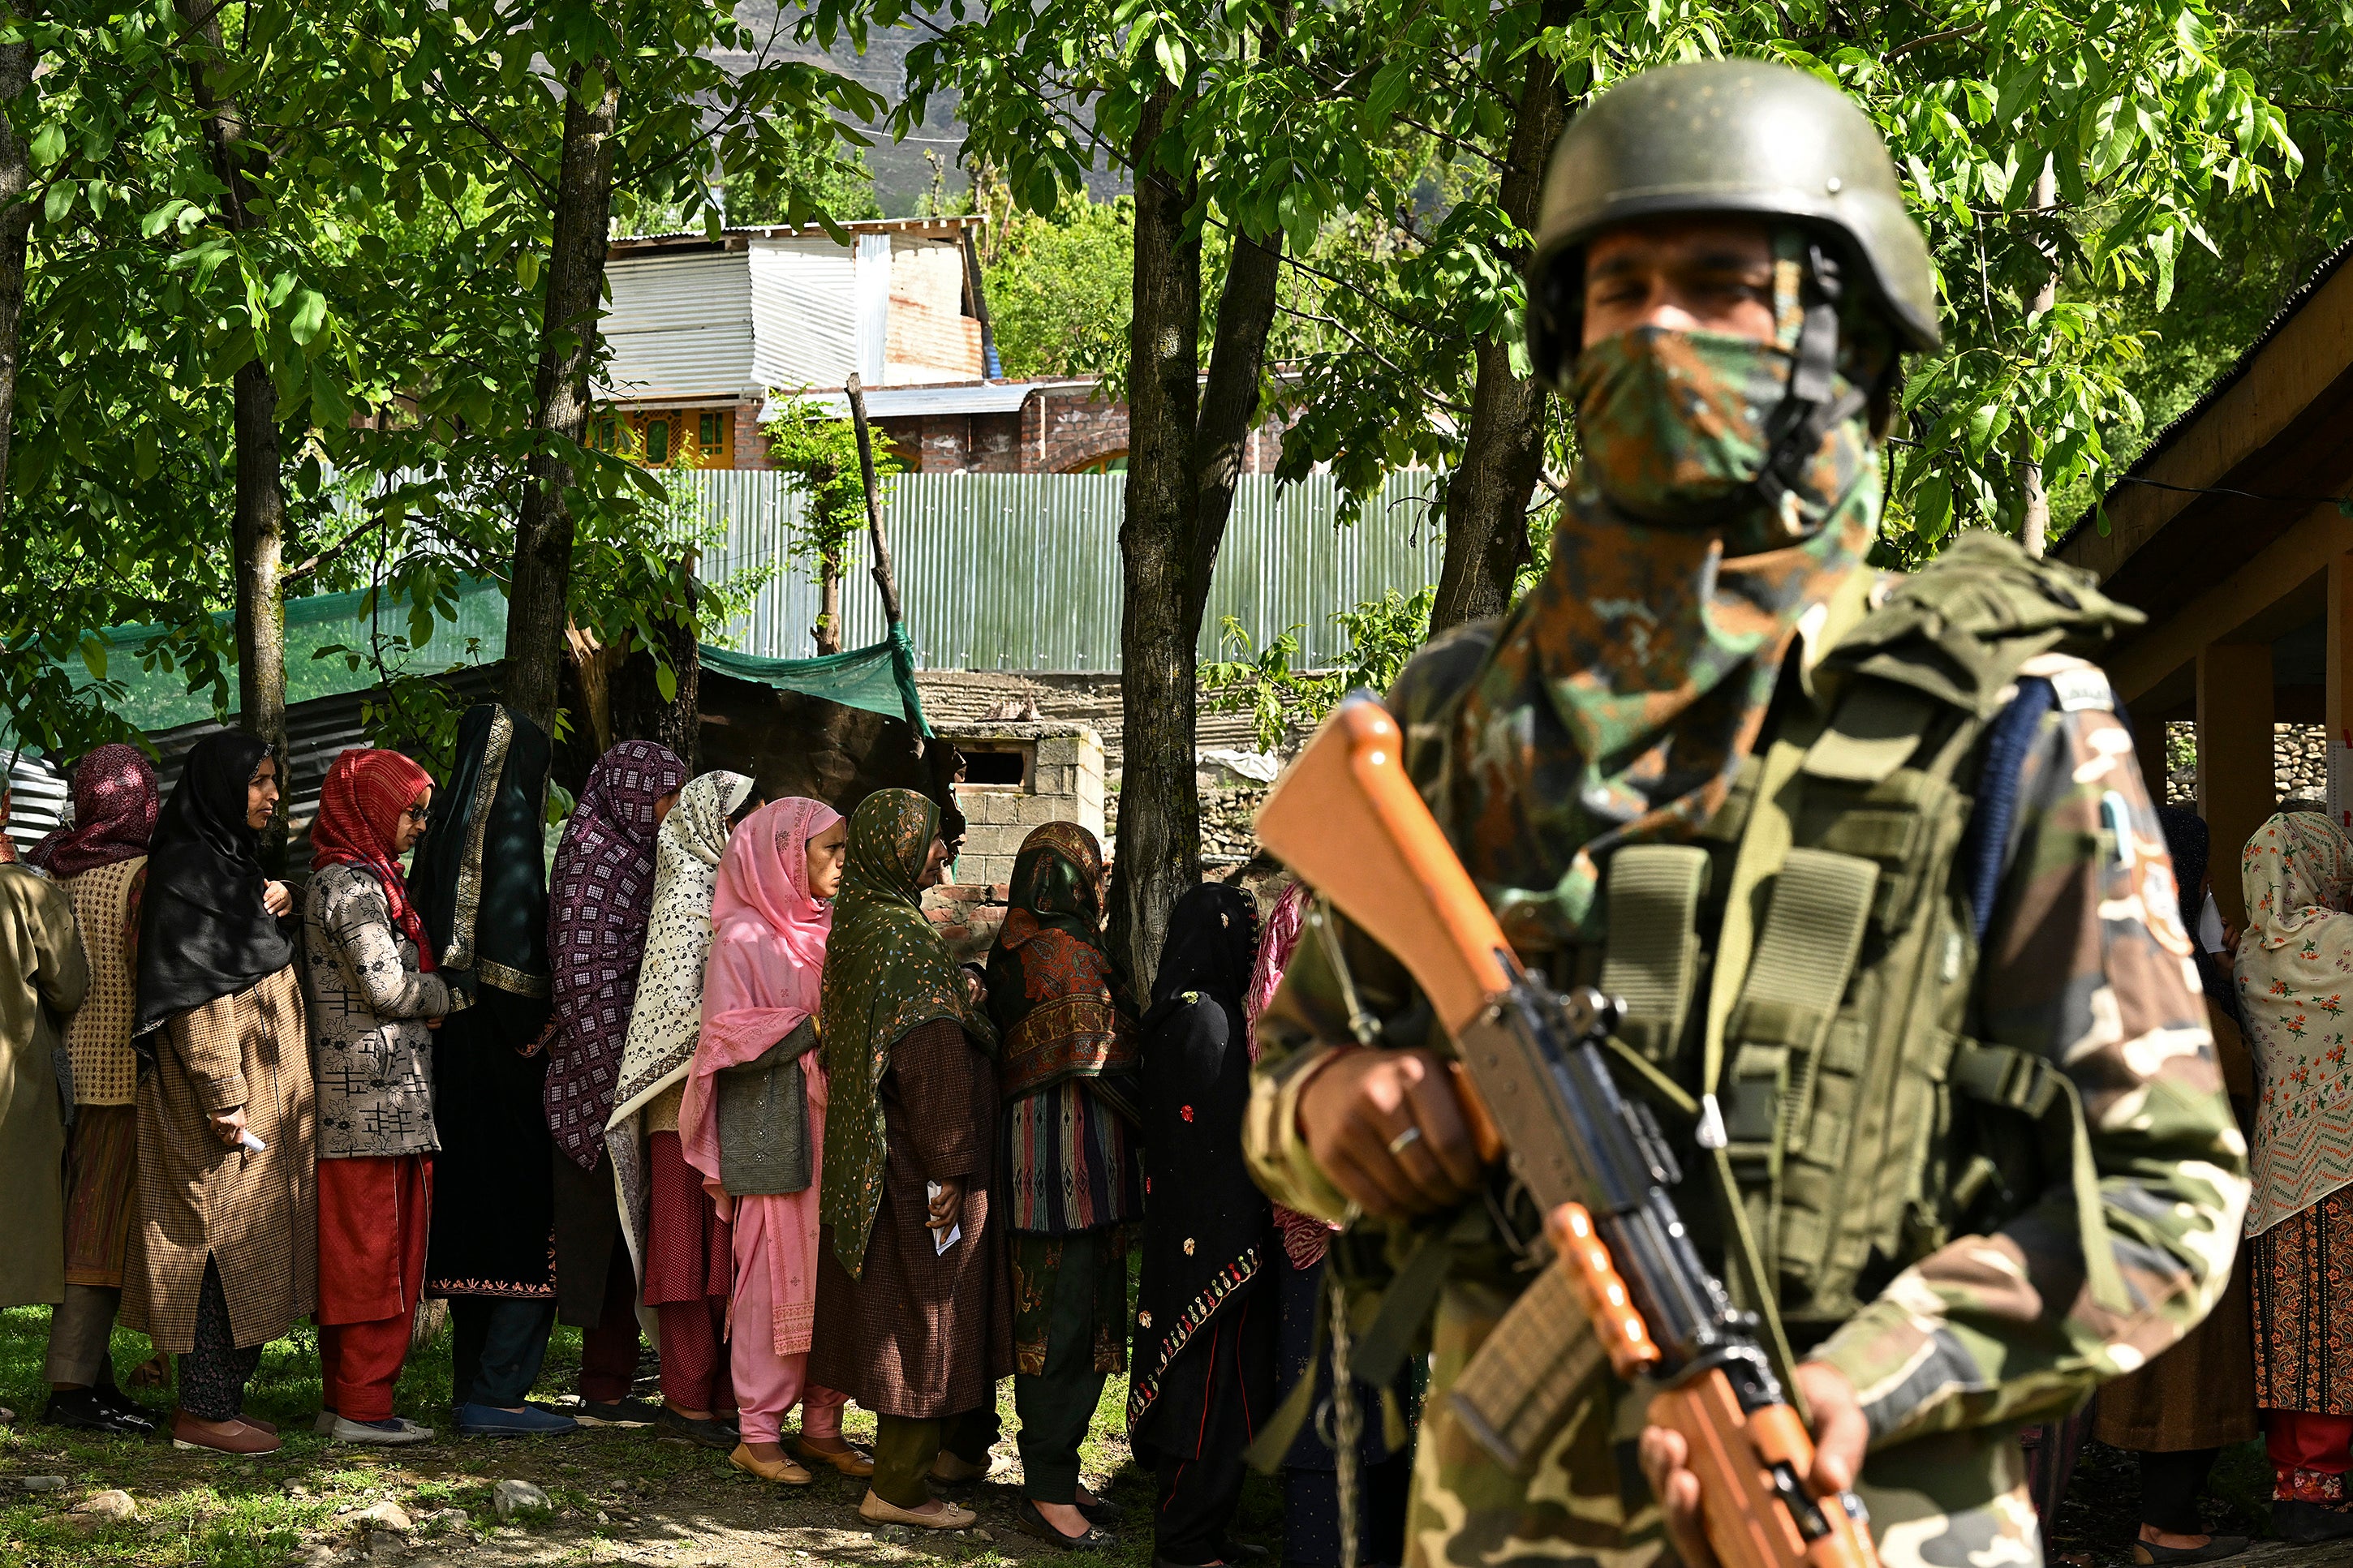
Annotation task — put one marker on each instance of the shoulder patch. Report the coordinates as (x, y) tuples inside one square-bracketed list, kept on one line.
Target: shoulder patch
[(2085, 688)]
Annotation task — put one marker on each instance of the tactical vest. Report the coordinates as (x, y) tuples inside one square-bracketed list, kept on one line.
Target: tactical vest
[(1800, 982), (1800, 992)]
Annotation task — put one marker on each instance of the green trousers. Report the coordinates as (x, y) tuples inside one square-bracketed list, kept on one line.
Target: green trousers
[(904, 1449), (1056, 1405)]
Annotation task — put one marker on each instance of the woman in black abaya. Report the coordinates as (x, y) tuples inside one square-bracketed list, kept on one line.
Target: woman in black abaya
[(1205, 1343)]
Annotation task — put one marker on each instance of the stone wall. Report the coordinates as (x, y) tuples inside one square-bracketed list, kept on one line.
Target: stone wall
[(2299, 762), (1065, 783)]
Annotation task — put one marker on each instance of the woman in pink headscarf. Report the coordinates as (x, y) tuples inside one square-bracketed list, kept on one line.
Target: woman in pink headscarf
[(753, 1122)]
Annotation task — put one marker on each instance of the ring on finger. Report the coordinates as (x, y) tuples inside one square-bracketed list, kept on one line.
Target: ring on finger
[(1404, 1140)]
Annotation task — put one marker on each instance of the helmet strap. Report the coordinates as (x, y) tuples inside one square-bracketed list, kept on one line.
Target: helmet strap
[(1813, 406)]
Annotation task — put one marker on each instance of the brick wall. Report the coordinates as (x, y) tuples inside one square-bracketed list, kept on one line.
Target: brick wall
[(1057, 430), (751, 445), (959, 443), (1066, 428)]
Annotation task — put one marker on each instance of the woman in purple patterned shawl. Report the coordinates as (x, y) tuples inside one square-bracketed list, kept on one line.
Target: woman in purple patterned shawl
[(115, 806), (600, 896)]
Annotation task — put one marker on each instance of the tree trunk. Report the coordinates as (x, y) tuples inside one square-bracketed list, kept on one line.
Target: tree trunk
[(537, 600), (639, 711), (1158, 847), (2035, 518), (1503, 453), (16, 229), (828, 630), (258, 529), (1229, 406)]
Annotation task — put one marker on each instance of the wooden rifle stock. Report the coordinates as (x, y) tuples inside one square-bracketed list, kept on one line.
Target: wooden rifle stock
[(1347, 819)]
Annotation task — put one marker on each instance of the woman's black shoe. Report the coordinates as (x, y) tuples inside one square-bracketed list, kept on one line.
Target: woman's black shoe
[(121, 1404), (82, 1410), (673, 1428), (1102, 1510), (2305, 1522), (1029, 1522), (2217, 1547)]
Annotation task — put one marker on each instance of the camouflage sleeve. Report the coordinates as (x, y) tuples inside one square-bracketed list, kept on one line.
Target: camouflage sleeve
[(1308, 1011), (2086, 966)]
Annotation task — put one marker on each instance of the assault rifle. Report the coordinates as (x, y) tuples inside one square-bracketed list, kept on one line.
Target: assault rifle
[(1537, 1088)]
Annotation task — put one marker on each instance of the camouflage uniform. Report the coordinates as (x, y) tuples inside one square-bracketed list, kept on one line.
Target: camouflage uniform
[(1616, 705)]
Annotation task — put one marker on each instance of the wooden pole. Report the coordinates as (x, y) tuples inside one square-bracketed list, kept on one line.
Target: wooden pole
[(883, 580)]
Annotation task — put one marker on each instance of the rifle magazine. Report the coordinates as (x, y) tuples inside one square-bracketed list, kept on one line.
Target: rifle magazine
[(1540, 1360)]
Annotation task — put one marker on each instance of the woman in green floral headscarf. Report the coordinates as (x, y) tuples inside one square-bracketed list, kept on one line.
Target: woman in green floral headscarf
[(913, 1319)]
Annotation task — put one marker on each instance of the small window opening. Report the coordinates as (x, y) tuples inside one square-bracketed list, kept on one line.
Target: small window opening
[(993, 768)]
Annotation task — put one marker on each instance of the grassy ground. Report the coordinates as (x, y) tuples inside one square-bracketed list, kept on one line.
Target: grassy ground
[(620, 1496)]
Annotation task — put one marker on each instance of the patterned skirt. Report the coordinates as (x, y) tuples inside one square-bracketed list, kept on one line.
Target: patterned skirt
[(2302, 1269), (101, 1165)]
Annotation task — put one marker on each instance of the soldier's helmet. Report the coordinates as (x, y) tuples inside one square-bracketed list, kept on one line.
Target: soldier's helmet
[(1724, 136)]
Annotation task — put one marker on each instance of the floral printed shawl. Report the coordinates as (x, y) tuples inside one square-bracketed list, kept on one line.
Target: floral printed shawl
[(668, 1016), (2296, 976), (115, 804), (886, 972), (1060, 1006)]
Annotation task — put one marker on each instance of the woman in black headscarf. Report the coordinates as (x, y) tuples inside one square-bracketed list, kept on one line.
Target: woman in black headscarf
[(225, 1252), (479, 882), (1205, 1339)]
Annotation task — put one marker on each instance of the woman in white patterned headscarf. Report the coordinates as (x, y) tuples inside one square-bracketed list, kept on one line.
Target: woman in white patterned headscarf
[(2295, 971), (676, 1239)]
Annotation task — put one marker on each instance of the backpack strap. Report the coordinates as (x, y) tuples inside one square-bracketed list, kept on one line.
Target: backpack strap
[(1985, 843)]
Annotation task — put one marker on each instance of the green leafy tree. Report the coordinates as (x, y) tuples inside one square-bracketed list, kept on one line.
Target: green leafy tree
[(421, 160), (821, 452), (1058, 286)]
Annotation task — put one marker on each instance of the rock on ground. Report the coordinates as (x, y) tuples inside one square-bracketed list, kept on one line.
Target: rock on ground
[(511, 1497), (107, 1505), (386, 1515)]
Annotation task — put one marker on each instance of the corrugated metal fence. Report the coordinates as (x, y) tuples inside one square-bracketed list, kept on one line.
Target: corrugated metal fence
[(1020, 571)]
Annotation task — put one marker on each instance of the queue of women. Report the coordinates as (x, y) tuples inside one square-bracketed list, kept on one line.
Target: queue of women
[(712, 1074)]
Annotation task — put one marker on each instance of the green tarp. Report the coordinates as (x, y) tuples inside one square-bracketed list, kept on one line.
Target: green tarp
[(879, 678)]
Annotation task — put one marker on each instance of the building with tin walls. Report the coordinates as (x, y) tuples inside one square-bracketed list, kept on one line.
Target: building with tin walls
[(705, 333)]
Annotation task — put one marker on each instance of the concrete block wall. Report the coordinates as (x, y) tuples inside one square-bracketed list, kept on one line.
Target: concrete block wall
[(1065, 783)]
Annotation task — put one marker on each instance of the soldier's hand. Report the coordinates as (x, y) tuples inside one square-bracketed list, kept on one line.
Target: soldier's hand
[(1386, 1127), (1841, 1435)]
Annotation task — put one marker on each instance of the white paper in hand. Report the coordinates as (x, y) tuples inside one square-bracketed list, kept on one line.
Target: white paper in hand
[(942, 1240)]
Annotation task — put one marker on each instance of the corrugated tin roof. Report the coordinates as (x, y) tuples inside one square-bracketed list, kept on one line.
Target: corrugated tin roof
[(2223, 384), (947, 227), (909, 402), (679, 327), (804, 297)]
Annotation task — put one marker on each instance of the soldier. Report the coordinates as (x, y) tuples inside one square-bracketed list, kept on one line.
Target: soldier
[(1870, 860)]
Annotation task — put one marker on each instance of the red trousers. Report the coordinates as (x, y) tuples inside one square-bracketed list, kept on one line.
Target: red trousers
[(608, 1353), (689, 1265), (2309, 1441), (372, 1224)]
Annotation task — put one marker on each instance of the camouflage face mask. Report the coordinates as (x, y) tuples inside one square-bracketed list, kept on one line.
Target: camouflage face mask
[(1673, 426)]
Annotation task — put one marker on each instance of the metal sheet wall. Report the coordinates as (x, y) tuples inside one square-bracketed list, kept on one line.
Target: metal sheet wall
[(1020, 571)]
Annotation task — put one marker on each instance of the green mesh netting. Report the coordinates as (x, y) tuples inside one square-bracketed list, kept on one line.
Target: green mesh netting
[(879, 678)]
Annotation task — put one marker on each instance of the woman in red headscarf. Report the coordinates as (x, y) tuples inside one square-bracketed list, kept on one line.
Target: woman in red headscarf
[(373, 995)]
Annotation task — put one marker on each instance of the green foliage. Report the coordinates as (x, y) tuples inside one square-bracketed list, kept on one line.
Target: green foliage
[(1268, 684), (822, 451), (1060, 287), (393, 293)]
